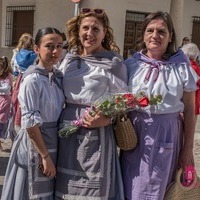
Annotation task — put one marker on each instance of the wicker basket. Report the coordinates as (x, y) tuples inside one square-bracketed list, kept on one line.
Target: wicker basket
[(179, 192), (125, 135)]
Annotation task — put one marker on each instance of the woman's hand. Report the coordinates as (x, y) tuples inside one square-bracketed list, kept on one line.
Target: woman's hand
[(95, 119), (48, 168), (186, 157)]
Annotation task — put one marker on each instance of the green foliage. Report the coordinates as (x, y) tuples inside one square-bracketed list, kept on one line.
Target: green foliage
[(154, 100)]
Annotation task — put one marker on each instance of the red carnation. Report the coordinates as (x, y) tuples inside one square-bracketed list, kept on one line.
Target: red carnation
[(143, 102), (129, 100)]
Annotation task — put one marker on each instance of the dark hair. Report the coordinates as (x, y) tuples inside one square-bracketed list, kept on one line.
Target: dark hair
[(45, 31), (171, 49), (186, 39), (6, 67), (73, 26), (64, 36)]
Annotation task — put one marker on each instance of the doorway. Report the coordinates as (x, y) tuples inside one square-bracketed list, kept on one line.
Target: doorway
[(133, 31)]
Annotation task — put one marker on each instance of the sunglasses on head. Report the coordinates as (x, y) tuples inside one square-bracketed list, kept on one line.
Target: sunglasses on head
[(90, 10)]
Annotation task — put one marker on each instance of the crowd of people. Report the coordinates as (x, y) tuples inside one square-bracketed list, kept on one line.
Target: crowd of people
[(44, 89)]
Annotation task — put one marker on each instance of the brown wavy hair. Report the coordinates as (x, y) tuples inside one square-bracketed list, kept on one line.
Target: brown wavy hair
[(6, 67), (26, 41), (73, 26)]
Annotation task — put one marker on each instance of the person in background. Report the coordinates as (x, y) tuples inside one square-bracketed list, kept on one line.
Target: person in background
[(31, 171), (185, 40), (23, 57), (159, 70), (5, 96), (88, 165), (26, 41), (192, 51)]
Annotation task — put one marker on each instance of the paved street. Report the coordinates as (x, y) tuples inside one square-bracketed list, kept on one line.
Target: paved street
[(197, 147), (3, 162), (5, 155)]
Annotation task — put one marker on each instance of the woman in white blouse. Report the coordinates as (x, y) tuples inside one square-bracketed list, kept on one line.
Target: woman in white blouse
[(159, 70)]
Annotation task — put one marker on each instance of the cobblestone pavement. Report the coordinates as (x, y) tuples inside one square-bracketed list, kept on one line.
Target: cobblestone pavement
[(4, 156)]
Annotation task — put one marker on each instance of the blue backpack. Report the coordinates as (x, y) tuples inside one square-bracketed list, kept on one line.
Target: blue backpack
[(25, 58)]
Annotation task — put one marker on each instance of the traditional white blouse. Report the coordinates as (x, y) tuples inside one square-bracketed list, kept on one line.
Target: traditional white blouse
[(88, 78), (41, 100), (166, 78)]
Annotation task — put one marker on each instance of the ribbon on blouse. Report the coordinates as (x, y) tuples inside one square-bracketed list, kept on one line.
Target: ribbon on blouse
[(153, 65), (178, 57)]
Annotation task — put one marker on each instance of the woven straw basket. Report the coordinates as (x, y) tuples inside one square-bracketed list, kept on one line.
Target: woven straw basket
[(179, 192), (125, 135)]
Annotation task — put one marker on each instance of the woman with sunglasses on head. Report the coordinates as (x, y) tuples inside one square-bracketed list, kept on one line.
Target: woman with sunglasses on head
[(158, 69), (5, 96), (88, 165), (31, 169)]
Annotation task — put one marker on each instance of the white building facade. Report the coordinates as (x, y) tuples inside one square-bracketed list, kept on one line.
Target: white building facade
[(121, 13)]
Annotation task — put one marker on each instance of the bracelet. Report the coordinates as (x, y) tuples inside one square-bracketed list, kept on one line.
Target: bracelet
[(46, 156)]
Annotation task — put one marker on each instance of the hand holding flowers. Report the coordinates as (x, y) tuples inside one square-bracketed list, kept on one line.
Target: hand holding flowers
[(110, 107)]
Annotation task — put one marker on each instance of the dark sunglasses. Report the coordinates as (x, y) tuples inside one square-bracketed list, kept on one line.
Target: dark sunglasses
[(90, 10)]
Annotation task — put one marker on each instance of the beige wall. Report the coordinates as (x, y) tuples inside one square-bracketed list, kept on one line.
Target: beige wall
[(182, 12), (53, 13), (191, 8)]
